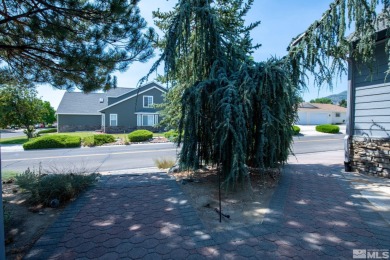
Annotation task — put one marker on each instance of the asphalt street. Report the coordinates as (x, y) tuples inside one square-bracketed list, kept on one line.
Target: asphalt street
[(90, 159), (109, 158), (8, 133), (314, 144)]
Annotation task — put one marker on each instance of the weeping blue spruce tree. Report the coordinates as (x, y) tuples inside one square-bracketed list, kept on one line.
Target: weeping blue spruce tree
[(237, 113)]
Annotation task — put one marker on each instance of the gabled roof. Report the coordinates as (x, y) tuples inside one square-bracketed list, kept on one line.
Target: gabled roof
[(78, 103), (87, 104), (135, 92), (314, 107)]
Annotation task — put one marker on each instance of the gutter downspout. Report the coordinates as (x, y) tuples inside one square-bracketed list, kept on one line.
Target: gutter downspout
[(350, 117)]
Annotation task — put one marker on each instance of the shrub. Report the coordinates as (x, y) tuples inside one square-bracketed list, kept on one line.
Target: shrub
[(171, 135), (96, 140), (46, 131), (331, 129), (103, 139), (164, 163), (47, 187), (140, 136), (53, 141), (296, 129)]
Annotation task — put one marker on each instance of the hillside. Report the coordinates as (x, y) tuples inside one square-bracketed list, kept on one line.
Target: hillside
[(336, 98)]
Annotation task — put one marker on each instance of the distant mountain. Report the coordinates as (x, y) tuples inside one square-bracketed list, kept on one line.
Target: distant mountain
[(336, 98)]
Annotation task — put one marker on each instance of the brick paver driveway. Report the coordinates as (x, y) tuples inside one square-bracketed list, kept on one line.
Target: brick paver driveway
[(314, 214)]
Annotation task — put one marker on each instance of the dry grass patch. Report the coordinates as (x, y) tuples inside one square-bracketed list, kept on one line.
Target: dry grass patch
[(164, 163)]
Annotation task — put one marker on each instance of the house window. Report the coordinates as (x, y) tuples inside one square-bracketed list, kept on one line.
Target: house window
[(113, 119), (147, 120), (337, 114), (148, 101)]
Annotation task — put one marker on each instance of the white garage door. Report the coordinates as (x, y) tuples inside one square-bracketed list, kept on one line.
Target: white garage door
[(319, 118), (302, 118)]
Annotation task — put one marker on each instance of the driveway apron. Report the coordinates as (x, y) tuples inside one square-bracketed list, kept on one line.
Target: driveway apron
[(314, 214)]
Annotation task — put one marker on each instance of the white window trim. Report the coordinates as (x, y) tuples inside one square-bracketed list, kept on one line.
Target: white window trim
[(112, 116), (140, 119), (143, 101)]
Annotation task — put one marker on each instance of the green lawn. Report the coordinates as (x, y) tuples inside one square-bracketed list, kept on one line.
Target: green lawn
[(158, 134), (83, 134), (14, 140), (86, 133), (6, 175)]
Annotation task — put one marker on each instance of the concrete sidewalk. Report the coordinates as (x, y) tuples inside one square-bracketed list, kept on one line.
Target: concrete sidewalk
[(310, 130), (8, 148), (373, 189), (315, 213)]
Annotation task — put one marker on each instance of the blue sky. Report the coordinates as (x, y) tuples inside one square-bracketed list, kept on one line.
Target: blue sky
[(280, 21)]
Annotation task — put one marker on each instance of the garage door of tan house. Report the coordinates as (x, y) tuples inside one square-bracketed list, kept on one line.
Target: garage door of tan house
[(319, 118)]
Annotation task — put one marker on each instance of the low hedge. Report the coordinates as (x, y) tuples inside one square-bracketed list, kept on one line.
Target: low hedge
[(296, 129), (140, 136), (96, 140), (171, 135), (46, 131), (330, 129), (53, 141)]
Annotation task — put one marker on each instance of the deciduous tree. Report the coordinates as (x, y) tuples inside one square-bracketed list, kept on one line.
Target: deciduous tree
[(49, 113), (19, 105), (321, 100), (343, 103)]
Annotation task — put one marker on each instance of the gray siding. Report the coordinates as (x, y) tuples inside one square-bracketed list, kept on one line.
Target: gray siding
[(372, 98), (126, 110), (71, 123), (112, 100)]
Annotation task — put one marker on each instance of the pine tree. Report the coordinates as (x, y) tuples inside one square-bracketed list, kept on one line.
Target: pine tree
[(71, 43)]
